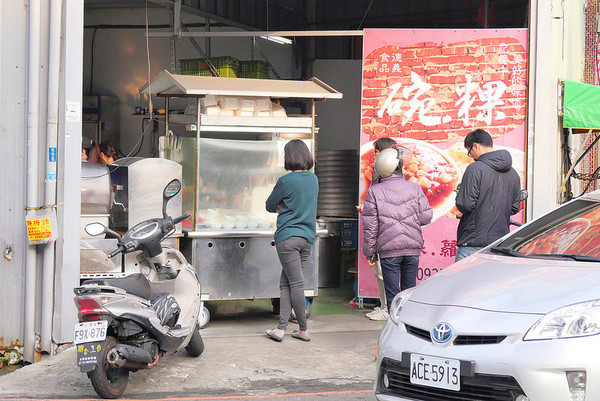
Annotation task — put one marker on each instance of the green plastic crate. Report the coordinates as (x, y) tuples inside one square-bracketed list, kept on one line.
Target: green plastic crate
[(203, 73), (227, 72), (193, 64), (226, 66), (225, 61), (254, 69)]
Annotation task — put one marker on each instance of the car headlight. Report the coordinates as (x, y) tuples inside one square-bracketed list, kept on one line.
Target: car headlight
[(398, 302), (577, 320)]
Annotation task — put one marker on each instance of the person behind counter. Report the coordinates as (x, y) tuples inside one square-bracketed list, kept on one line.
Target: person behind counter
[(294, 198), (108, 152), (91, 153)]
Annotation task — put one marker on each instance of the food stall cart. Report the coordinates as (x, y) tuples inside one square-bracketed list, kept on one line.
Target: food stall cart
[(229, 136)]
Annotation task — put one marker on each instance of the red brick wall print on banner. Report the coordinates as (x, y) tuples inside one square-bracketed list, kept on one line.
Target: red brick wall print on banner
[(428, 89)]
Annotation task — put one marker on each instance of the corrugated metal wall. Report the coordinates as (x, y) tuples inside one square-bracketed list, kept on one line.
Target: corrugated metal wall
[(15, 121), (13, 73), (338, 182)]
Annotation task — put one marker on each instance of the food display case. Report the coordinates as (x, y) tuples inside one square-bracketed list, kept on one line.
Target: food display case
[(229, 137)]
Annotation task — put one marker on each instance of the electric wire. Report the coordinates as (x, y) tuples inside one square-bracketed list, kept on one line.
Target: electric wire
[(594, 177), (139, 143), (92, 61), (150, 109), (365, 16)]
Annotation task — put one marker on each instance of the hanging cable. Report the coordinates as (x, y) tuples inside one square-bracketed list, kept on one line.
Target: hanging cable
[(593, 177), (588, 149), (150, 109), (138, 145), (92, 61), (365, 16)]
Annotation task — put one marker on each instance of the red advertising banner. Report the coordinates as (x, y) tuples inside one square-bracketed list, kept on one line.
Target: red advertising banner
[(428, 89)]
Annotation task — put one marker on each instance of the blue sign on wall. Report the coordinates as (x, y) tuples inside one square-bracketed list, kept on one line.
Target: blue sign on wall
[(52, 154)]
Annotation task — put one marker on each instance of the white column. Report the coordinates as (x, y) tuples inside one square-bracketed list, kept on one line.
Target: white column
[(543, 126), (69, 171)]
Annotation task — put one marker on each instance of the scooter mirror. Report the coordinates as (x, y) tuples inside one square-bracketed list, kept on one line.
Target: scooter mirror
[(169, 192), (172, 189), (95, 229)]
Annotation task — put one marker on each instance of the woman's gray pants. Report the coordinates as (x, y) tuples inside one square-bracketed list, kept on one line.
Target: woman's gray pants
[(293, 254)]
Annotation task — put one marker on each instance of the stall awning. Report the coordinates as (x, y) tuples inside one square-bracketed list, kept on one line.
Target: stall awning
[(581, 106), (167, 84)]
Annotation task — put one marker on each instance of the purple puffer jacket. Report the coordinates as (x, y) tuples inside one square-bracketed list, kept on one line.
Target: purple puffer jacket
[(395, 210)]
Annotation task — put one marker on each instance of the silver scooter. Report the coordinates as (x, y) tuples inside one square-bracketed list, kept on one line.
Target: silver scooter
[(128, 323)]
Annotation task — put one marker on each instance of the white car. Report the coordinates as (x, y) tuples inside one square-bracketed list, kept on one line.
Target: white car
[(517, 321)]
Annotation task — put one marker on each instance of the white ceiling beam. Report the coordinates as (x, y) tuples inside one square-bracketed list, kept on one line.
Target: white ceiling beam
[(214, 34)]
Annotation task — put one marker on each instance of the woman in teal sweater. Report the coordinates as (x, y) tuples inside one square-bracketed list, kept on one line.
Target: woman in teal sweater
[(294, 198)]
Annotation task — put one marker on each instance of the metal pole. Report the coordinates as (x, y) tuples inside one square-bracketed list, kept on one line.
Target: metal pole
[(486, 13), (51, 171), (33, 104), (167, 116), (313, 115), (198, 122), (207, 40)]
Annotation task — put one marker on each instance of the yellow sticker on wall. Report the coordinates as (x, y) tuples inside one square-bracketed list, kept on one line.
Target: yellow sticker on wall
[(41, 227)]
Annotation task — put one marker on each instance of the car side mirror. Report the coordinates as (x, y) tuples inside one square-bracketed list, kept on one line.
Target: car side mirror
[(523, 194), (170, 191)]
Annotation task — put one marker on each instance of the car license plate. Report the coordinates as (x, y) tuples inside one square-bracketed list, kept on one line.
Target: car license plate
[(88, 332), (435, 372)]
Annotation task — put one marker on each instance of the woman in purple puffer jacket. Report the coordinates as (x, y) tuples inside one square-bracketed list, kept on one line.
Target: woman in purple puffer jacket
[(394, 211)]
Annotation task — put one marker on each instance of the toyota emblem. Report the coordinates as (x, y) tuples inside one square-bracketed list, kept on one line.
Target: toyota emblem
[(442, 332)]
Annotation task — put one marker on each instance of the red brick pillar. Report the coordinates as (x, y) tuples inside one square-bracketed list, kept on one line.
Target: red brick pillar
[(590, 76)]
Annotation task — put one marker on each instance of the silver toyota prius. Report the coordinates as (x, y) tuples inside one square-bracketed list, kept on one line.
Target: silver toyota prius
[(517, 321)]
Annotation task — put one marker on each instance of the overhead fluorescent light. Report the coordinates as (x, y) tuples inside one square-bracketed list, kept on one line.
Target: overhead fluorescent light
[(278, 39)]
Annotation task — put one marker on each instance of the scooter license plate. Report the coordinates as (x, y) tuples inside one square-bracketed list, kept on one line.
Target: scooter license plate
[(88, 332), (88, 354)]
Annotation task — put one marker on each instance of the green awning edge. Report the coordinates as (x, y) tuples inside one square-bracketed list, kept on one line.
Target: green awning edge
[(581, 106)]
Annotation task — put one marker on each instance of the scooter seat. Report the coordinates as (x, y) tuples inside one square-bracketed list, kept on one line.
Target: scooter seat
[(135, 284)]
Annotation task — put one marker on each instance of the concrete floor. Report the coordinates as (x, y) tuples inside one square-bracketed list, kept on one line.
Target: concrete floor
[(238, 358)]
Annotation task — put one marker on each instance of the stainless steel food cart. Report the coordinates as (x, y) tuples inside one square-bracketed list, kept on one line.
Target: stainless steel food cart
[(230, 165)]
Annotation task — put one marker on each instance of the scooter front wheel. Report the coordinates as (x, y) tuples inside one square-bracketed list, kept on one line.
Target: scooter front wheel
[(109, 382), (196, 346)]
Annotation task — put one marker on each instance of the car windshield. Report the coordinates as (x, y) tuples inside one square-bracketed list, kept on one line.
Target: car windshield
[(572, 230)]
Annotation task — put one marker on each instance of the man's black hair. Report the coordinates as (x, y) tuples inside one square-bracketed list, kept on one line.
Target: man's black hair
[(297, 156), (108, 149), (478, 136)]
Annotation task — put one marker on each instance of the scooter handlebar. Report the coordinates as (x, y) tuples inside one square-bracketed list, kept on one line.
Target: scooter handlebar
[(114, 253), (179, 219)]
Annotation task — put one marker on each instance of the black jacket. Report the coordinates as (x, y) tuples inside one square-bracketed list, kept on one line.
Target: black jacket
[(488, 196)]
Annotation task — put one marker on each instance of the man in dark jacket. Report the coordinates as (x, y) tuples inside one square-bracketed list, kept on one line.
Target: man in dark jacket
[(488, 195)]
